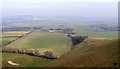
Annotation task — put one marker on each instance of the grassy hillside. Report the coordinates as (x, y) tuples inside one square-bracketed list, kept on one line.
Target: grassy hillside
[(24, 60), (90, 54), (58, 43)]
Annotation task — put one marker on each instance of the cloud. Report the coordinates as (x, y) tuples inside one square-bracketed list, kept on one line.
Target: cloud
[(59, 1)]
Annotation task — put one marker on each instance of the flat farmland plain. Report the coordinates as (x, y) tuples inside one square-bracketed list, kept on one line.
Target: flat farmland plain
[(58, 43)]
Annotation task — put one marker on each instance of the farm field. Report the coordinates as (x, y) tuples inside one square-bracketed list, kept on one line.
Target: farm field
[(59, 34), (58, 43), (91, 33), (11, 35), (24, 60), (102, 53), (5, 41), (14, 33)]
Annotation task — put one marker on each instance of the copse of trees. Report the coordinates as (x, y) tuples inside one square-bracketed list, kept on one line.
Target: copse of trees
[(77, 39), (46, 54)]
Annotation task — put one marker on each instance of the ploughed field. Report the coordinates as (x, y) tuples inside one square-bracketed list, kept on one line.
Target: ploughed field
[(57, 43)]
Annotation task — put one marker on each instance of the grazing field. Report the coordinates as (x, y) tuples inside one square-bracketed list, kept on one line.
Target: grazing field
[(58, 43), (24, 60), (102, 53)]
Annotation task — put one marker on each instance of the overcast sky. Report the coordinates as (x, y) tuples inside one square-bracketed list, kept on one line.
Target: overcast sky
[(59, 0), (87, 8)]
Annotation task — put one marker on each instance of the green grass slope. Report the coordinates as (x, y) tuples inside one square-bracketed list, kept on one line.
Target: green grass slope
[(94, 54), (58, 43), (24, 60)]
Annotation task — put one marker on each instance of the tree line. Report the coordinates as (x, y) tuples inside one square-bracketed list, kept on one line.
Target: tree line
[(21, 28), (46, 54)]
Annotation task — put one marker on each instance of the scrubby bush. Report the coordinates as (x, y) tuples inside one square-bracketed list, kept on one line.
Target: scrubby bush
[(19, 51), (36, 53), (48, 54), (15, 50), (9, 50), (24, 50), (4, 50), (30, 52)]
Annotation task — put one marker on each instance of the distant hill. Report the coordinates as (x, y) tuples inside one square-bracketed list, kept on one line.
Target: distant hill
[(102, 53), (54, 20)]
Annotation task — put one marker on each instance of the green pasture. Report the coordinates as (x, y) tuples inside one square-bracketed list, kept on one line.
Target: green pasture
[(24, 60), (91, 33), (58, 43)]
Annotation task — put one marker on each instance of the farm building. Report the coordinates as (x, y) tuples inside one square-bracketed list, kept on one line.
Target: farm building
[(51, 30)]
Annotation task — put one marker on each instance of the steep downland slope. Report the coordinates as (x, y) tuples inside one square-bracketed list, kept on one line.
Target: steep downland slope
[(90, 54)]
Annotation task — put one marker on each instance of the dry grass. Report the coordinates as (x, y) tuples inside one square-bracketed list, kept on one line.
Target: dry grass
[(96, 54)]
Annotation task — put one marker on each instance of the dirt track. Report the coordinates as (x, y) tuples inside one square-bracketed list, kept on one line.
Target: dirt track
[(12, 63)]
